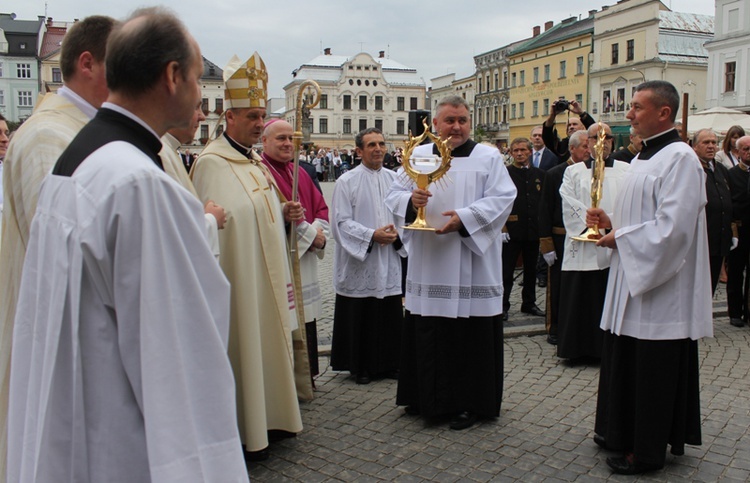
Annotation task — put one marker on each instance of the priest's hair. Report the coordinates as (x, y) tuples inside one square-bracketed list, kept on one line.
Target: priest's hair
[(663, 93), (454, 101), (578, 138), (140, 50), (359, 139), (88, 35)]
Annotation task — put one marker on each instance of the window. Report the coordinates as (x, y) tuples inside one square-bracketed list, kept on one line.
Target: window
[(1, 69), (535, 108), (497, 81), (536, 75), (545, 108), (56, 75), (399, 103), (362, 124), (579, 65), (378, 103), (379, 124), (413, 103), (219, 105), (495, 114), (347, 126), (24, 99), (204, 105), (615, 53), (400, 127), (520, 109), (479, 84), (546, 72), (488, 83), (620, 99), (512, 111), (323, 101), (362, 103), (522, 79), (729, 74), (630, 50), (23, 46), (505, 80), (563, 68), (347, 102), (579, 99), (323, 124), (606, 101), (2, 98), (204, 131), (23, 71), (513, 79)]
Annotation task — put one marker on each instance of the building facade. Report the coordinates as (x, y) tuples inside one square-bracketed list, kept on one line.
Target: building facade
[(492, 95), (552, 65), (729, 56), (447, 85), (19, 65), (640, 40), (358, 92)]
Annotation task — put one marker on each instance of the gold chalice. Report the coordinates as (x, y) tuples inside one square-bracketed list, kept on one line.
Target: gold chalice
[(425, 170)]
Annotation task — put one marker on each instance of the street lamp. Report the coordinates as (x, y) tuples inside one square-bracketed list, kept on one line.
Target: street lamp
[(642, 74)]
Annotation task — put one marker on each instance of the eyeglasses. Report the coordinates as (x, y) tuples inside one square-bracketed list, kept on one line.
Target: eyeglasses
[(608, 137)]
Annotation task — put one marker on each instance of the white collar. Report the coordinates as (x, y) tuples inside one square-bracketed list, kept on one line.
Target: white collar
[(82, 104)]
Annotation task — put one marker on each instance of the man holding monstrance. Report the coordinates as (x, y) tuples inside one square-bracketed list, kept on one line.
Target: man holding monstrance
[(452, 347)]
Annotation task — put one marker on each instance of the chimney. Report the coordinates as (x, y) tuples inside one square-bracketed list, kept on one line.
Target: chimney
[(548, 25), (49, 22), (327, 51), (381, 55), (592, 13), (537, 29)]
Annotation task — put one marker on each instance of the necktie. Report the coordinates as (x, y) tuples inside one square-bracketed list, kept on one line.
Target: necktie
[(536, 159)]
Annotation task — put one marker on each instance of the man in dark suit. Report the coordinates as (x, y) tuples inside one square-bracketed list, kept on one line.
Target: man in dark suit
[(719, 206), (521, 235), (541, 157)]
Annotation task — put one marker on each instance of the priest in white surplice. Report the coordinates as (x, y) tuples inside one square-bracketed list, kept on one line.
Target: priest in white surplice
[(119, 369), (254, 259), (583, 279), (367, 267), (214, 214), (452, 348), (658, 301), (36, 146)]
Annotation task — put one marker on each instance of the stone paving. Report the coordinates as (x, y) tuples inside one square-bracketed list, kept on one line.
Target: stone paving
[(357, 433)]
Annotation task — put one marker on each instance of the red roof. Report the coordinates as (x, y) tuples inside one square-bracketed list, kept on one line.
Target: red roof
[(52, 40)]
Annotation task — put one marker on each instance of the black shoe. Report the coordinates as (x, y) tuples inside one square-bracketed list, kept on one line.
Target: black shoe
[(737, 322), (600, 441), (552, 339), (533, 310), (463, 420), (504, 316), (542, 283), (412, 410), (627, 465), (363, 378), (255, 456), (276, 435)]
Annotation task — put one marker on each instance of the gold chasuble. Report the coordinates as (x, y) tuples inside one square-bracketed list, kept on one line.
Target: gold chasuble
[(254, 259)]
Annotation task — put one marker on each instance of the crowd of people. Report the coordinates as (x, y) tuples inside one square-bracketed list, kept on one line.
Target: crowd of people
[(171, 299)]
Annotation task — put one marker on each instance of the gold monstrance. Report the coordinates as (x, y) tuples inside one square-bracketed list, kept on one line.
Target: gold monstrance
[(597, 179), (420, 171)]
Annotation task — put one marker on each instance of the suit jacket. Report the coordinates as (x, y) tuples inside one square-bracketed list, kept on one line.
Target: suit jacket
[(549, 159), (522, 224), (718, 210), (560, 146)]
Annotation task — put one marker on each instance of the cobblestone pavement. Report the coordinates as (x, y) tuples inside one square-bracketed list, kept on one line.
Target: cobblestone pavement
[(357, 433)]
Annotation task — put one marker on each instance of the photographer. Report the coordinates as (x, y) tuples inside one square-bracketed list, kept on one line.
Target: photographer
[(549, 133)]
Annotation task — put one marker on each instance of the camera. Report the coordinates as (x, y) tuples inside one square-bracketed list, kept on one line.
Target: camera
[(561, 105)]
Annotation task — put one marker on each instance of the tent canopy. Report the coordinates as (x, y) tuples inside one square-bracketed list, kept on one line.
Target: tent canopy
[(720, 119)]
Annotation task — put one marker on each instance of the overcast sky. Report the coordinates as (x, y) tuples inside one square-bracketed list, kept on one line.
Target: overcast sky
[(435, 41)]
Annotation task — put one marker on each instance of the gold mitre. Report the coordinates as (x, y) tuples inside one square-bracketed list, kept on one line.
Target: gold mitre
[(246, 84)]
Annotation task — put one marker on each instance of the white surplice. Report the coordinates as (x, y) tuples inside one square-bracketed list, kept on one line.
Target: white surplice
[(575, 193), (359, 209), (659, 285), (451, 275), (119, 369)]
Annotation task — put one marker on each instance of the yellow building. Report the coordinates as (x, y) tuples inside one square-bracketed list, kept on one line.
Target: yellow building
[(553, 64)]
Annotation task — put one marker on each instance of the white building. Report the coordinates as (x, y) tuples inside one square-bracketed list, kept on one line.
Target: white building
[(358, 92), (637, 40), (729, 56), (212, 104), (447, 85), (19, 65)]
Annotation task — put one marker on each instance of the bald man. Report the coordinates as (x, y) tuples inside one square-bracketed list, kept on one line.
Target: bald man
[(312, 232)]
